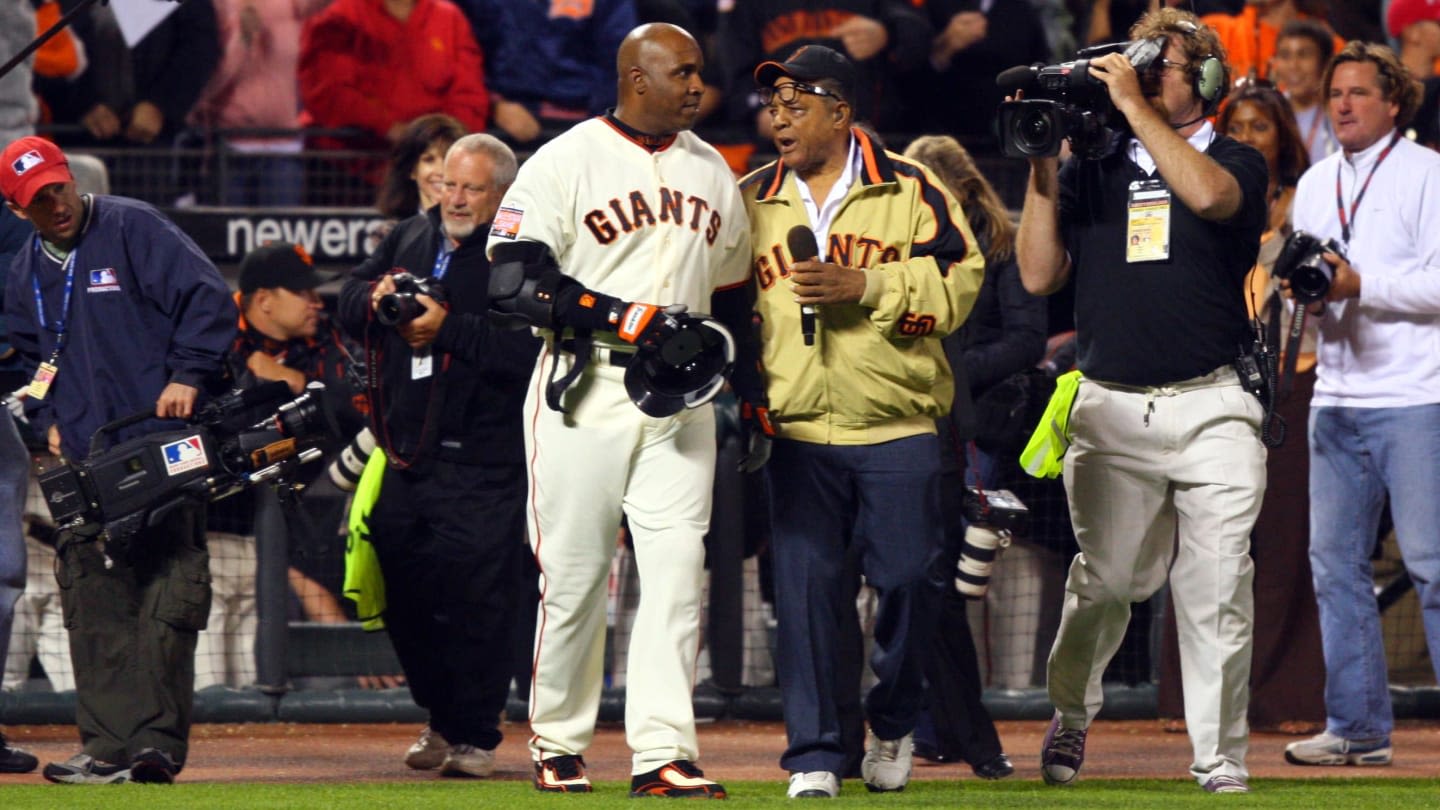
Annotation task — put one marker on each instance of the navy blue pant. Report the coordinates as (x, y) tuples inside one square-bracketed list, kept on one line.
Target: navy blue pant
[(449, 542), (886, 498)]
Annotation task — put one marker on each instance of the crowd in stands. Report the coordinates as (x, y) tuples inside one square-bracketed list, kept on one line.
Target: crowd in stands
[(354, 73)]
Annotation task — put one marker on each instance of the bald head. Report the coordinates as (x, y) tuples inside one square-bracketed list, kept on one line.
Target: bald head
[(658, 67), (648, 41)]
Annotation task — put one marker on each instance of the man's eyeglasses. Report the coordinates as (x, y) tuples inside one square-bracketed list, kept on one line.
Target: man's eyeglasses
[(789, 92), (1166, 63)]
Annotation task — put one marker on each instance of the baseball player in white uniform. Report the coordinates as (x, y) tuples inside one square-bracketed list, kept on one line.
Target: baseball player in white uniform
[(628, 207)]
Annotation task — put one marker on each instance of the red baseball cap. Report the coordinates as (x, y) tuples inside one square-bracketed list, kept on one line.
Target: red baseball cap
[(1403, 13), (28, 165)]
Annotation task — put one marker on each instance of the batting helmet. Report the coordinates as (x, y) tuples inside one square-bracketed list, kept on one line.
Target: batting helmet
[(687, 370)]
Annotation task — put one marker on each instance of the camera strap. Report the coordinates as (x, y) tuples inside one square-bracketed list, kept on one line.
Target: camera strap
[(1346, 224)]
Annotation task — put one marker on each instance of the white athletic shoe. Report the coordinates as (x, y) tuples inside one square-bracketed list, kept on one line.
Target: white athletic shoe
[(467, 760), (428, 752), (1330, 749), (813, 785), (887, 763)]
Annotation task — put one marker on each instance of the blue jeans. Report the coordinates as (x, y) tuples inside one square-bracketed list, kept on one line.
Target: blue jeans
[(824, 498), (1357, 456), (14, 475)]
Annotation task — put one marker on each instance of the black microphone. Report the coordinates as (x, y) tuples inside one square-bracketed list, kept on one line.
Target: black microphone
[(1020, 77), (801, 241)]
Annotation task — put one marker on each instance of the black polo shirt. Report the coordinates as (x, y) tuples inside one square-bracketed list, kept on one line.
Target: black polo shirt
[(1151, 323)]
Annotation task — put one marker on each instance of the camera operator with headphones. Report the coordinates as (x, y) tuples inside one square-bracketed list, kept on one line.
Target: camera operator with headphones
[(1163, 434), (118, 313)]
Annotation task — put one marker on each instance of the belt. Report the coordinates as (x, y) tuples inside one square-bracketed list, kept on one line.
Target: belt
[(620, 358), (1225, 375)]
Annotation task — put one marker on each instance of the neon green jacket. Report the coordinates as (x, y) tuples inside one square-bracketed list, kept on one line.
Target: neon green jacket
[(364, 584), (1043, 456)]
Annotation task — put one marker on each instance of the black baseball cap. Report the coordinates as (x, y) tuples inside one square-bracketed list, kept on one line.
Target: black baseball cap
[(811, 63), (278, 264)]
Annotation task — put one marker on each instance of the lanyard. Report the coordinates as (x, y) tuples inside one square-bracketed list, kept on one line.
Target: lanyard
[(442, 264), (59, 327), (1355, 204)]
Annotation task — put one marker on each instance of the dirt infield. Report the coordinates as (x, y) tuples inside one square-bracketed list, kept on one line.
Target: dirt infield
[(736, 750)]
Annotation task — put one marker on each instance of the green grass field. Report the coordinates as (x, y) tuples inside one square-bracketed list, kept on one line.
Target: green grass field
[(1170, 794)]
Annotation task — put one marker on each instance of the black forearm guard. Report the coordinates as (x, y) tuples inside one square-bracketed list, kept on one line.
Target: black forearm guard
[(526, 283)]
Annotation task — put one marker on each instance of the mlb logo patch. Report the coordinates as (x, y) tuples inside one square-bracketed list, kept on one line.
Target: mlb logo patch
[(26, 162), (507, 222), (103, 280), (183, 455)]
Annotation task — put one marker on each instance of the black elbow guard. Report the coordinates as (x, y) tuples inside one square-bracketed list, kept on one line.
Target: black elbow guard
[(526, 285), (525, 281)]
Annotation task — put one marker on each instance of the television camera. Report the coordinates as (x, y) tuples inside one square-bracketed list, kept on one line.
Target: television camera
[(1065, 102), (222, 451)]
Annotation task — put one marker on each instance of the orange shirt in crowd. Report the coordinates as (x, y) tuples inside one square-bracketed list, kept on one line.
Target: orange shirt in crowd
[(1248, 41)]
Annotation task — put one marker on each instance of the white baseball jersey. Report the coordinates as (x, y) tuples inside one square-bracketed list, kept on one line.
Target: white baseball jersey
[(661, 226), (664, 228)]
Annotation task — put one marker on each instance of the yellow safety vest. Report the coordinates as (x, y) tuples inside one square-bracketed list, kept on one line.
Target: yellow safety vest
[(1044, 454), (364, 584)]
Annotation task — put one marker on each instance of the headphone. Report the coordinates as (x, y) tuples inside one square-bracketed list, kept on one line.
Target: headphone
[(1208, 79)]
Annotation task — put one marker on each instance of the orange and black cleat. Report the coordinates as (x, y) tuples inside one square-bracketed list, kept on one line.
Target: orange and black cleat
[(675, 780), (562, 774)]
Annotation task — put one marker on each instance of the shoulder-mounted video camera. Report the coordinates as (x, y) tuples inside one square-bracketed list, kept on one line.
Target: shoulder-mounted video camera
[(1302, 264), (222, 451), (1065, 102), (400, 307)]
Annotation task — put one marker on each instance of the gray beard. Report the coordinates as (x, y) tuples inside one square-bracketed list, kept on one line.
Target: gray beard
[(459, 234)]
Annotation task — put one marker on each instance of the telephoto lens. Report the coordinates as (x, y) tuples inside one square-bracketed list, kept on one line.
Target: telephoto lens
[(346, 469), (978, 553)]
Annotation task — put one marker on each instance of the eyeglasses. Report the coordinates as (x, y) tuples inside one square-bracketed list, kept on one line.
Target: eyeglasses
[(1166, 63), (790, 92)]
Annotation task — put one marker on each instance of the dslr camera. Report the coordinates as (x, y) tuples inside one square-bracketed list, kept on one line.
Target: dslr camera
[(993, 515), (400, 307), (1065, 102), (1302, 264), (222, 451)]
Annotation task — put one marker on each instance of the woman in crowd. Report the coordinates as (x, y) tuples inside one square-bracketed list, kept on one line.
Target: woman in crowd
[(1004, 335), (412, 180), (1287, 676)]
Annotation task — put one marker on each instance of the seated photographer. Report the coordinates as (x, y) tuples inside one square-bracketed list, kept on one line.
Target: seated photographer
[(448, 526), (120, 314), (1163, 436), (1375, 414), (283, 336)]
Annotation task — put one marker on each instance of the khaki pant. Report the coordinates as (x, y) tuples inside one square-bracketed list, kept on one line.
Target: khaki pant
[(1146, 466)]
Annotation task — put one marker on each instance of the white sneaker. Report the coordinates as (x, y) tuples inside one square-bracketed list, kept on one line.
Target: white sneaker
[(467, 760), (1331, 749), (813, 785), (886, 766), (428, 752)]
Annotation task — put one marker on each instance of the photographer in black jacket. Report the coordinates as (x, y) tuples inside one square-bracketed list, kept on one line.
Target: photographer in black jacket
[(446, 391)]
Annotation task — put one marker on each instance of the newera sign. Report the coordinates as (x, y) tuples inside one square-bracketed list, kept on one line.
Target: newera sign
[(338, 236)]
